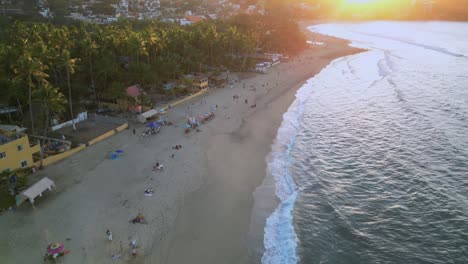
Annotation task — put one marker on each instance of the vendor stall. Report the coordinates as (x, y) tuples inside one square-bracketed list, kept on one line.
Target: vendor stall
[(35, 190)]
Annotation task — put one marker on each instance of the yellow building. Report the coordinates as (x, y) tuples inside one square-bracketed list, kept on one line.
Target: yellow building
[(16, 152), (199, 82)]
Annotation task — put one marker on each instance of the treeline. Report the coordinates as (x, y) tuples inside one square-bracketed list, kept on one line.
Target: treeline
[(46, 69)]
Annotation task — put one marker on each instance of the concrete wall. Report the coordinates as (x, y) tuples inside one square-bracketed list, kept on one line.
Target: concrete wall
[(61, 156), (186, 98), (81, 117)]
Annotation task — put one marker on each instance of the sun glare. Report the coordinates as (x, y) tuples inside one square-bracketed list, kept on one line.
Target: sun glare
[(367, 3), (358, 1)]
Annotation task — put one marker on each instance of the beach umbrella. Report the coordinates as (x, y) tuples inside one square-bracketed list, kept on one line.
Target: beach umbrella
[(113, 155), (153, 125), (55, 248)]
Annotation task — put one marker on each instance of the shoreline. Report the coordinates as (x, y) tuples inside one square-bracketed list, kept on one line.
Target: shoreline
[(255, 134), (202, 206)]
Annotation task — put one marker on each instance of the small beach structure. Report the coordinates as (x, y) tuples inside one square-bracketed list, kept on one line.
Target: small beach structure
[(151, 114), (261, 67), (219, 80), (199, 82), (35, 190), (134, 91)]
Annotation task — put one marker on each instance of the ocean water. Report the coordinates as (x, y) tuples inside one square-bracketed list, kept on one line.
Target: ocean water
[(371, 160)]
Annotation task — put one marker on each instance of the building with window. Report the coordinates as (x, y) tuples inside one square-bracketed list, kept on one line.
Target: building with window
[(16, 152), (199, 82)]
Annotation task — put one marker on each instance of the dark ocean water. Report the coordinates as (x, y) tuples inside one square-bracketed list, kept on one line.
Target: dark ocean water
[(374, 163)]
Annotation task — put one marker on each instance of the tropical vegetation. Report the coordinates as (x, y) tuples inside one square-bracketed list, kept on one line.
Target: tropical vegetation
[(47, 70)]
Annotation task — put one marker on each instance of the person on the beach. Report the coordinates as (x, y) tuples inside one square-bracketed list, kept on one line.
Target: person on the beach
[(134, 131), (138, 219), (134, 246), (246, 101), (149, 192), (109, 235)]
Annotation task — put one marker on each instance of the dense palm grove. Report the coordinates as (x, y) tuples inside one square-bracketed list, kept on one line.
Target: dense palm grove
[(50, 69)]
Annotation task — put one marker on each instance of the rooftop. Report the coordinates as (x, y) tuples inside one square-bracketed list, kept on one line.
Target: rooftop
[(8, 138)]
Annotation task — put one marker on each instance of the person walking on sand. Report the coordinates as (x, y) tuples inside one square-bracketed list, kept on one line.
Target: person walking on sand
[(109, 235), (134, 131), (134, 246)]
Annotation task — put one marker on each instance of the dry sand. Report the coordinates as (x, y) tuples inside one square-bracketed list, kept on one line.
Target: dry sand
[(201, 209)]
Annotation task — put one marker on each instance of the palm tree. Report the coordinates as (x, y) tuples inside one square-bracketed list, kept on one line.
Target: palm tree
[(211, 37), (31, 71), (52, 101), (69, 65)]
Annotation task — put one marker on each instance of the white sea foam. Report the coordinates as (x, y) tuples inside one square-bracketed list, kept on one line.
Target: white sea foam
[(280, 238)]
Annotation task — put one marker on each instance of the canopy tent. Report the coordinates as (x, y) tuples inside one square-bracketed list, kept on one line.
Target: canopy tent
[(35, 190), (142, 118), (153, 125)]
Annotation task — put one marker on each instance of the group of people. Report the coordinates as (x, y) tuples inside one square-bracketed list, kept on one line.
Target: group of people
[(133, 245), (149, 192), (158, 166), (152, 131), (177, 147)]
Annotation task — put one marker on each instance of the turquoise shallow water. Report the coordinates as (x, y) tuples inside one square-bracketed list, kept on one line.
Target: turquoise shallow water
[(371, 160)]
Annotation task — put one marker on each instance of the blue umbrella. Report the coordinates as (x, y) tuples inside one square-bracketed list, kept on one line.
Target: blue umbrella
[(153, 125)]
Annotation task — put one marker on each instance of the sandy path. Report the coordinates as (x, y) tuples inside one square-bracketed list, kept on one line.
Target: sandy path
[(201, 209)]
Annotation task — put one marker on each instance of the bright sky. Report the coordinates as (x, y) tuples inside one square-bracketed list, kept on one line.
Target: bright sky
[(360, 2), (369, 3)]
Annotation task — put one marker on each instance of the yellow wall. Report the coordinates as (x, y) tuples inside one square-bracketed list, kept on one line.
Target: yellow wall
[(61, 156), (186, 98), (122, 127), (14, 157)]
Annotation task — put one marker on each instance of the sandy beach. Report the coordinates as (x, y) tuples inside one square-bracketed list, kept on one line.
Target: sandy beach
[(201, 210)]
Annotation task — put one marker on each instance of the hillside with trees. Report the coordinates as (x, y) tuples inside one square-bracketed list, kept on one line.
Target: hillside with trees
[(47, 70)]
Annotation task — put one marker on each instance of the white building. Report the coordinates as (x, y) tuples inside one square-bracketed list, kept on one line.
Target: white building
[(185, 22)]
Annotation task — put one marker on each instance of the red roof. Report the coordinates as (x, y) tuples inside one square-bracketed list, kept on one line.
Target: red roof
[(133, 91), (194, 19)]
